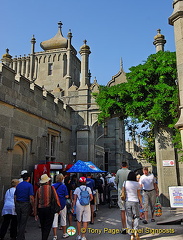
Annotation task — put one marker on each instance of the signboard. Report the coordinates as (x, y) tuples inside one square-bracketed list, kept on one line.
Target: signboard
[(176, 196), (168, 163)]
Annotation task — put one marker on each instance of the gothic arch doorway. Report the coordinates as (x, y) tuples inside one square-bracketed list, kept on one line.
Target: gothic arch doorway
[(98, 136), (19, 159)]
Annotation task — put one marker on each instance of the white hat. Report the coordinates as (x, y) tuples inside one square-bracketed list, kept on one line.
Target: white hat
[(22, 172), (44, 178), (109, 175)]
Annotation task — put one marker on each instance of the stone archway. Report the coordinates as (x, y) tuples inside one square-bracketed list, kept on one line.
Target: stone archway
[(18, 159), (98, 144)]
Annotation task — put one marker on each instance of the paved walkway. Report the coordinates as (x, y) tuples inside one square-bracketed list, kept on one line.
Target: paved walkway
[(108, 225)]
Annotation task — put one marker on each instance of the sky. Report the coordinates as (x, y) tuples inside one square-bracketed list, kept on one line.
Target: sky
[(114, 29)]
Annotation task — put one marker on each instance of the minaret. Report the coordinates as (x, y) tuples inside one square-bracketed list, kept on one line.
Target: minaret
[(176, 20), (84, 51), (32, 57), (159, 41)]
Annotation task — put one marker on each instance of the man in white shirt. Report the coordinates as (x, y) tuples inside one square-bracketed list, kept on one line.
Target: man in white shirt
[(150, 191)]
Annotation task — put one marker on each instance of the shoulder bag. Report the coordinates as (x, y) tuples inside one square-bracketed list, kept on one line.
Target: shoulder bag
[(55, 208)]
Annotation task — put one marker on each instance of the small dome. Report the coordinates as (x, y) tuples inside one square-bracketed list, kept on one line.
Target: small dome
[(85, 48), (58, 41), (159, 35), (7, 55)]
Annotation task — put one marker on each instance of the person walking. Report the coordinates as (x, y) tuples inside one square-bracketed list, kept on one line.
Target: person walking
[(21, 174), (150, 192), (62, 193), (67, 182), (91, 184), (24, 203), (83, 212), (8, 212), (133, 197), (121, 176), (42, 207)]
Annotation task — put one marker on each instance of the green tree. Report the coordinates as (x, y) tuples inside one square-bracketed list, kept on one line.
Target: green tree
[(150, 93)]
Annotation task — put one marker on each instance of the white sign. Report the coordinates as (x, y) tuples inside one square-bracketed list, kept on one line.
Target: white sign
[(168, 163), (176, 196)]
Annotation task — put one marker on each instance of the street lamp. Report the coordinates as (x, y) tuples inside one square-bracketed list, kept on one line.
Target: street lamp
[(74, 155)]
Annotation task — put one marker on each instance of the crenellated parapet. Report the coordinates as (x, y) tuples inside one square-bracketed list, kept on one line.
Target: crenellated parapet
[(21, 93)]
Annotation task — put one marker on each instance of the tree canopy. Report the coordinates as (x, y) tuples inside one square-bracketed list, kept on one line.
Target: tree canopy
[(149, 95), (150, 92)]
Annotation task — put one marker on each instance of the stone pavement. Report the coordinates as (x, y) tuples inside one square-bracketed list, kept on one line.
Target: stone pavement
[(107, 222)]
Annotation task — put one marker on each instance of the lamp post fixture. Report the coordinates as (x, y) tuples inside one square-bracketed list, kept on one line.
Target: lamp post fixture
[(74, 155)]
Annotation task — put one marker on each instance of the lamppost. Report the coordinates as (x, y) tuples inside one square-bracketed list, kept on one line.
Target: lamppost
[(74, 155)]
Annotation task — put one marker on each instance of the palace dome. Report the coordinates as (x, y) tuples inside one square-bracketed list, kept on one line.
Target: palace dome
[(58, 41)]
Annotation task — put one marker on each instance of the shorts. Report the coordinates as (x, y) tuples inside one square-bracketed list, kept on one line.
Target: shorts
[(121, 203), (83, 213), (62, 220), (149, 200)]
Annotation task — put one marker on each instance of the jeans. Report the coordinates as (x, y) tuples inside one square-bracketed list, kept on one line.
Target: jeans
[(132, 215)]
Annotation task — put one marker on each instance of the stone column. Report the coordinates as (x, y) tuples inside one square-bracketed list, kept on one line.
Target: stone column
[(166, 163), (165, 152), (176, 19), (19, 65), (83, 132), (68, 77), (23, 66), (33, 41), (15, 64), (27, 67), (84, 51)]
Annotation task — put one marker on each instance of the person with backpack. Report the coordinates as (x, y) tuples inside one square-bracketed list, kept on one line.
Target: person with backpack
[(62, 193), (82, 197)]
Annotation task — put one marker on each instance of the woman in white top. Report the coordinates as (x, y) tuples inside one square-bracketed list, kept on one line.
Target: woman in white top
[(133, 197), (8, 212)]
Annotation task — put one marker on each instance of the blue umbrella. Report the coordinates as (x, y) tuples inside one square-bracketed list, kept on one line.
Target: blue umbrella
[(84, 167)]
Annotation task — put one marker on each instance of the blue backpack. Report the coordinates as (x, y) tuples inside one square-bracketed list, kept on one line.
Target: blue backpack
[(84, 197)]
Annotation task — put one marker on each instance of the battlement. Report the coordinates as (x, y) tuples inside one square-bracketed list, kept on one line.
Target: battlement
[(18, 91)]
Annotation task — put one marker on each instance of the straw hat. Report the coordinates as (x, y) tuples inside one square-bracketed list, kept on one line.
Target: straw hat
[(44, 178)]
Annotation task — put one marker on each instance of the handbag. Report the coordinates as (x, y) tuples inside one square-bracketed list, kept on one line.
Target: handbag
[(55, 208), (157, 208), (123, 193)]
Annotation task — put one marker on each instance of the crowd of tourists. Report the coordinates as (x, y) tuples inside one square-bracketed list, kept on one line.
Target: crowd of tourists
[(71, 197)]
